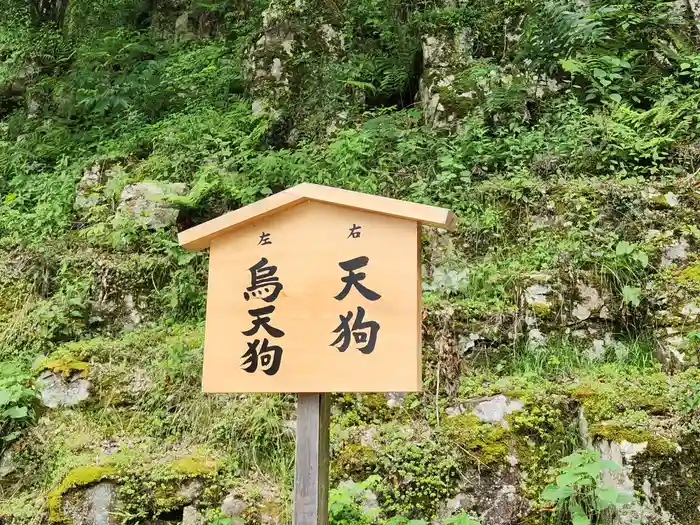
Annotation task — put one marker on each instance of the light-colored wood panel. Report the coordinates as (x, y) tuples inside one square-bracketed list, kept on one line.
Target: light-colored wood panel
[(428, 215), (200, 237), (307, 243)]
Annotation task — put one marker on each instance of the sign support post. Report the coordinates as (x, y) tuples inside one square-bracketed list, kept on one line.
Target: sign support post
[(312, 455)]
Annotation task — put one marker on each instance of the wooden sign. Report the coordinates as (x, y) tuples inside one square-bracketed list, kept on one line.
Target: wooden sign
[(314, 289)]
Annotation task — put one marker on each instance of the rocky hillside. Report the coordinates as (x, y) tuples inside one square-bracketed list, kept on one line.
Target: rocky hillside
[(561, 320)]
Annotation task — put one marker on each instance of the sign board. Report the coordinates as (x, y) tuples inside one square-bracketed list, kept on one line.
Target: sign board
[(314, 289)]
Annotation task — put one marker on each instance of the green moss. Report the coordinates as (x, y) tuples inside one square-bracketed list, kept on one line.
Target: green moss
[(690, 276), (615, 391), (541, 309), (485, 442), (155, 489), (619, 434), (656, 445), (661, 446), (673, 476), (65, 366), (355, 461), (76, 478), (360, 409), (417, 477), (193, 466)]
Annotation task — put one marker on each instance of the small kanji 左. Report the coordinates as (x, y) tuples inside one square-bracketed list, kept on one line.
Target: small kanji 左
[(264, 239)]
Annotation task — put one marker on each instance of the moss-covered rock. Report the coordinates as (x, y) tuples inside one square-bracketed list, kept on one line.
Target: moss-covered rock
[(142, 486), (76, 479), (485, 443), (65, 366), (670, 481)]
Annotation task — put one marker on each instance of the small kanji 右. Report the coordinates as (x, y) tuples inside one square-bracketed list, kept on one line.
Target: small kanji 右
[(355, 231)]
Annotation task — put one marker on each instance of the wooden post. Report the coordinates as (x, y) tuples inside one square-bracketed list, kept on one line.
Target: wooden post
[(312, 457)]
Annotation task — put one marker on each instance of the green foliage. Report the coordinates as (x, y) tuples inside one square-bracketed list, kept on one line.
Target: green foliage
[(18, 399), (345, 503), (462, 518), (346, 507), (558, 118), (579, 491), (614, 390)]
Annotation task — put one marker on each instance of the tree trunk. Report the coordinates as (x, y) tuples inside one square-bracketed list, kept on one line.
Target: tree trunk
[(48, 11)]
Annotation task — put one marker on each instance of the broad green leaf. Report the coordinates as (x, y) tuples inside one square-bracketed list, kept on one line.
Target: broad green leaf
[(624, 497), (570, 66), (461, 519), (642, 258), (630, 295), (574, 460), (623, 248), (606, 497), (609, 464), (16, 412), (5, 396), (568, 478), (554, 493), (592, 469), (616, 98), (580, 519), (11, 436)]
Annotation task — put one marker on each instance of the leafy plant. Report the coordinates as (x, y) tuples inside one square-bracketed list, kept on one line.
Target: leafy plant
[(631, 295), (345, 503), (579, 491), (462, 518), (17, 403), (448, 282)]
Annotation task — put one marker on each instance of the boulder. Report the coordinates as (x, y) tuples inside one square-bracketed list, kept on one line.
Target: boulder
[(146, 202), (537, 297), (675, 253), (394, 399), (7, 464), (86, 195), (496, 408), (93, 506), (233, 506), (191, 490), (191, 516), (58, 390), (507, 507), (590, 302)]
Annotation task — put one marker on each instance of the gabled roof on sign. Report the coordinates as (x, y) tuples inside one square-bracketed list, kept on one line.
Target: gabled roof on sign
[(200, 237)]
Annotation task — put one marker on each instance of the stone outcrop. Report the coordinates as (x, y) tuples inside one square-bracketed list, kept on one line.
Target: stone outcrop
[(146, 203)]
